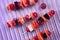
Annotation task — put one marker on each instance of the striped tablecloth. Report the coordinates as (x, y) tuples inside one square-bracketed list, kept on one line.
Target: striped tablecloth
[(19, 33)]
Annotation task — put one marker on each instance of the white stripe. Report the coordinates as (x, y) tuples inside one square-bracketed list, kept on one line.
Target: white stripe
[(31, 1), (22, 20), (30, 28)]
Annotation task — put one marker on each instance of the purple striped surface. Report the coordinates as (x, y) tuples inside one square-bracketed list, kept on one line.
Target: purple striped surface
[(19, 33)]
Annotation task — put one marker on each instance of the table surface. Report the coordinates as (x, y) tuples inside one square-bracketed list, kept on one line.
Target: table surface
[(19, 33)]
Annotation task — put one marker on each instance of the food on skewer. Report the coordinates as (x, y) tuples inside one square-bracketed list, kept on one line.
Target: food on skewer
[(22, 4), (22, 20), (42, 19), (41, 36)]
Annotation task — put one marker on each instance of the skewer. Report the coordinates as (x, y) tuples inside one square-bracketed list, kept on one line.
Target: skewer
[(42, 19), (22, 4), (42, 36), (22, 20)]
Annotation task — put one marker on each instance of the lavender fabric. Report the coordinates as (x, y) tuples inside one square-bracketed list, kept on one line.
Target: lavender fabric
[(19, 32)]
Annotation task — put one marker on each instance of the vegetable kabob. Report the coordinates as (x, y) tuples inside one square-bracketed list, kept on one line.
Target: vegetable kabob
[(42, 19), (22, 20), (41, 36), (22, 4)]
